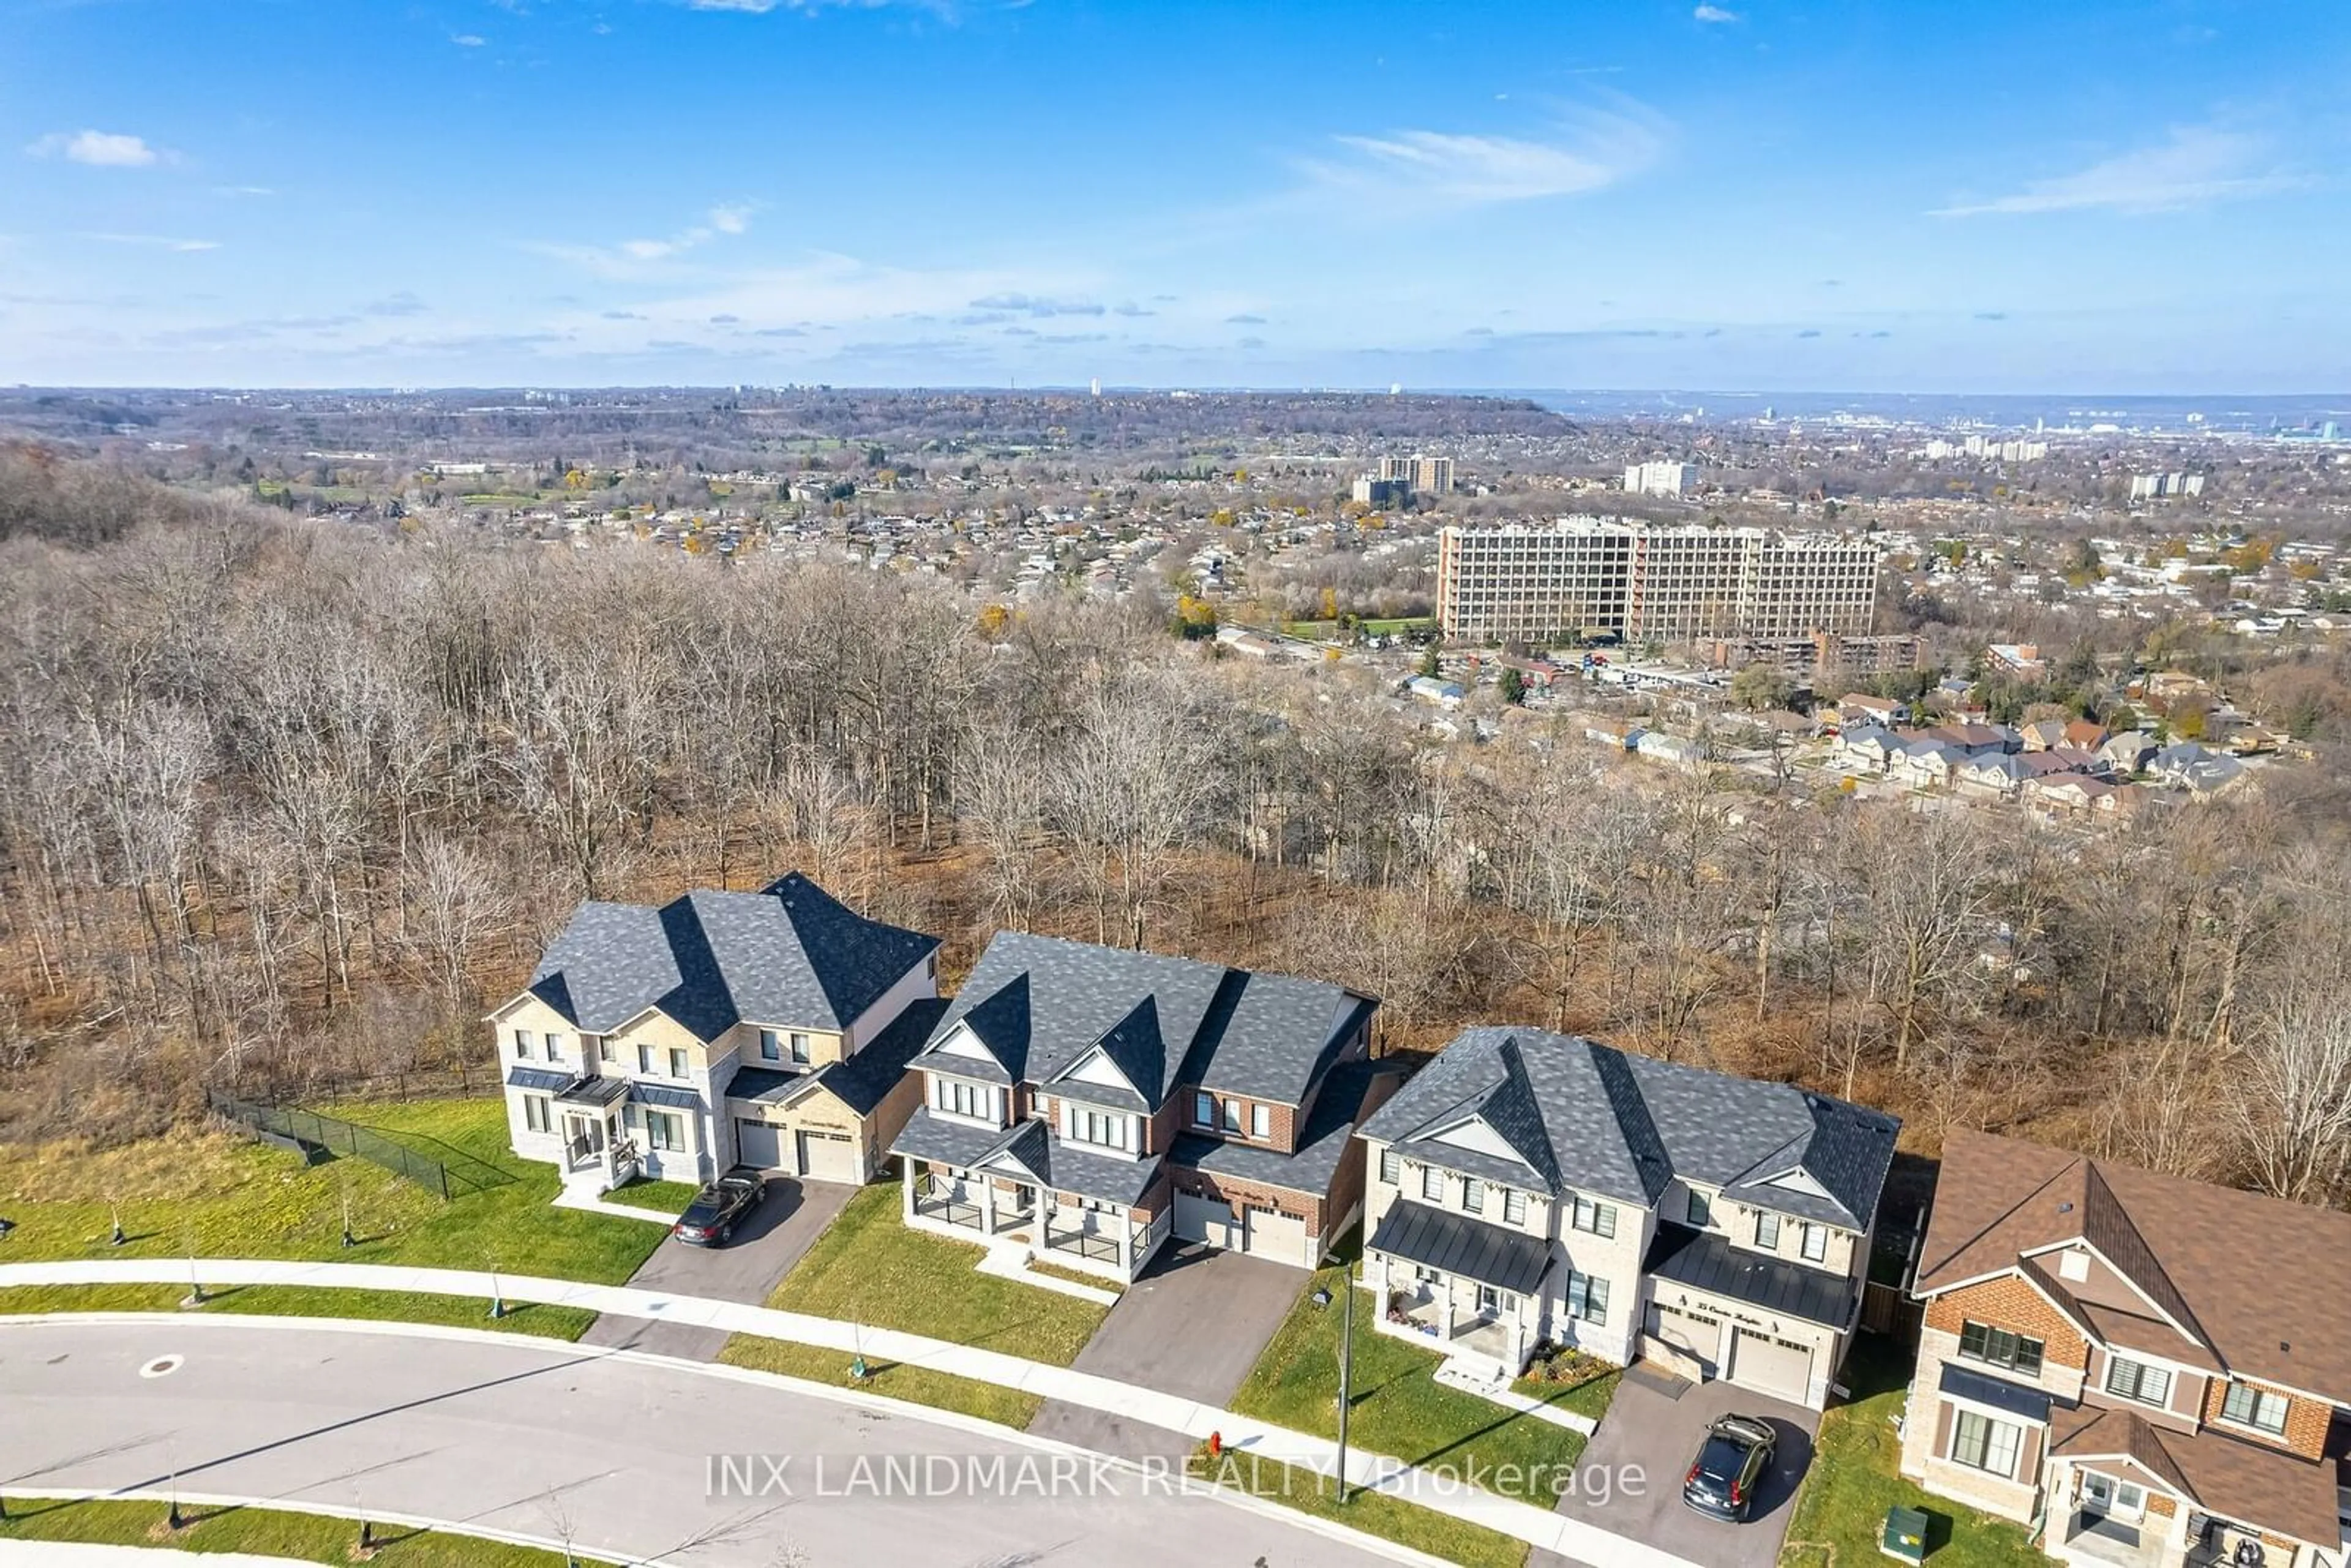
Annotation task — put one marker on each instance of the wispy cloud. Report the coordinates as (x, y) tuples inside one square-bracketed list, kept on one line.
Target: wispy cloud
[(1036, 304), (467, 40), (632, 256), (156, 242), (2195, 167), (1591, 151), (102, 149), (1714, 14)]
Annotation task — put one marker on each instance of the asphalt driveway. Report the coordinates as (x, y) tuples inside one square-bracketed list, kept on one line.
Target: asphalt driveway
[(783, 1228), (1649, 1427), (1193, 1325)]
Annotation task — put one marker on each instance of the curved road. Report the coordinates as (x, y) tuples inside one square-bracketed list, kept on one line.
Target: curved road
[(547, 1440)]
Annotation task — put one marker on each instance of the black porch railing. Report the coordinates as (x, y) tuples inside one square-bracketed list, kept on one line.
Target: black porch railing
[(1085, 1244)]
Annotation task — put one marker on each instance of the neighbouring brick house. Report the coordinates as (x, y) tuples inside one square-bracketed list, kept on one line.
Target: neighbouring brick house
[(1085, 1104), (1528, 1185), (2154, 1372), (768, 1028)]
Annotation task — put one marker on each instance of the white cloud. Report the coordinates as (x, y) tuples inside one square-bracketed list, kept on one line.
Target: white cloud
[(156, 242), (731, 220), (1593, 150), (1714, 14), (467, 40), (2197, 166), (101, 148), (631, 256)]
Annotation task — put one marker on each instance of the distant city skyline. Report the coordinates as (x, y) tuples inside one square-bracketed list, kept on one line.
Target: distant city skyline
[(2098, 198)]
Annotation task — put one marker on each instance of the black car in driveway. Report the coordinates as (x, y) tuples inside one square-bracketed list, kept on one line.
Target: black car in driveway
[(1729, 1466), (710, 1219)]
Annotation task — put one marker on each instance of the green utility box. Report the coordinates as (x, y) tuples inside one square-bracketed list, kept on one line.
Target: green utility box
[(1905, 1540)]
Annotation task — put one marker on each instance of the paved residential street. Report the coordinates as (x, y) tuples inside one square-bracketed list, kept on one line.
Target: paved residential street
[(531, 1437), (783, 1228), (1192, 1326), (1645, 1427)]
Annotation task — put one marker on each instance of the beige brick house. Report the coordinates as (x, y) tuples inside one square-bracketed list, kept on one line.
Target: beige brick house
[(2153, 1373)]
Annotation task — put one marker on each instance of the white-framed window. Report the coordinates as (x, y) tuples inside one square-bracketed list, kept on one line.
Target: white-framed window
[(1700, 1212), (1432, 1183), (1391, 1166), (1587, 1298), (1514, 1206), (677, 1062), (1260, 1121), (2259, 1408), (554, 1048), (964, 1099), (1812, 1241), (522, 1044), (771, 1045), (535, 1114), (799, 1043), (2128, 1379), (1473, 1195), (1232, 1115), (606, 1051), (1594, 1216), (1983, 1444), (1104, 1129), (1204, 1109), (665, 1132), (1767, 1232)]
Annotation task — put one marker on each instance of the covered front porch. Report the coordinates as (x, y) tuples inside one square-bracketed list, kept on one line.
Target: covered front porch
[(1464, 1287), (1023, 1187), (2125, 1493)]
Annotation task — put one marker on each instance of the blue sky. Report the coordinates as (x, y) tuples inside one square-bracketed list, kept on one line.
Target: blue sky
[(2081, 195)]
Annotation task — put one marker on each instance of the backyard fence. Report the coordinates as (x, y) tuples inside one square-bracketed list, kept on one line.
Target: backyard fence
[(449, 1179)]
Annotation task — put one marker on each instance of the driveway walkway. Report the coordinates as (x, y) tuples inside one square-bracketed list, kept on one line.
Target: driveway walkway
[(1654, 1422), (779, 1231), (1193, 1325)]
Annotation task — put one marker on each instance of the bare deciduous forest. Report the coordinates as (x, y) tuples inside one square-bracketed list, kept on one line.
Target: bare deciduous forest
[(286, 807)]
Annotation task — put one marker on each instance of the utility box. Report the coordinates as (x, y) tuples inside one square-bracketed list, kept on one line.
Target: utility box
[(1905, 1540)]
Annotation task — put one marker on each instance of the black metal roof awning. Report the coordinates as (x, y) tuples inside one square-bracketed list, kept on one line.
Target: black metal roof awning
[(1456, 1244), (538, 1079), (1705, 1260), (661, 1094), (1997, 1394), (594, 1091)]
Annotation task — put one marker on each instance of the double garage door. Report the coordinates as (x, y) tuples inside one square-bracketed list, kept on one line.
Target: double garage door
[(1261, 1232), (812, 1153)]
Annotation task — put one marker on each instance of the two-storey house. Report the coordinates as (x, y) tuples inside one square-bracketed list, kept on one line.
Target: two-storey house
[(1528, 1185), (768, 1028), (1085, 1104), (2152, 1372)]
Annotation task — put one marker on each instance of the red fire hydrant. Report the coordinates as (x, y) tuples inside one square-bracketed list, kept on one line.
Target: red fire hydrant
[(1215, 1443)]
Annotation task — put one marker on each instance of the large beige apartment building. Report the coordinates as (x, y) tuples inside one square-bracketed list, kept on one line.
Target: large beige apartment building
[(1604, 575)]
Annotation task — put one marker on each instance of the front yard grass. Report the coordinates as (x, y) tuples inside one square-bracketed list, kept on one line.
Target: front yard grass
[(1588, 1399), (262, 1532), (1840, 1507), (302, 1301), (1375, 1513), (1005, 1406), (217, 1194), (669, 1196), (868, 1267), (1399, 1410)]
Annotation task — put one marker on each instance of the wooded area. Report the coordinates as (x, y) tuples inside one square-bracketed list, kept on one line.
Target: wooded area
[(285, 806)]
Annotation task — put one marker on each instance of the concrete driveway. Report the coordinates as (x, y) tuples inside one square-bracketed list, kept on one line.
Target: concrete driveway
[(1192, 1326), (785, 1224), (1650, 1426)]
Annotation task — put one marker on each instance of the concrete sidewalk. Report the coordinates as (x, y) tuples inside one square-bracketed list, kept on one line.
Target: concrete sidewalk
[(1451, 1494)]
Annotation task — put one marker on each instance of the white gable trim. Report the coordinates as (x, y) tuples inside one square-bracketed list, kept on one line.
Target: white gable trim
[(1005, 1160), (504, 1008), (1476, 1136), (1795, 1178), (961, 1041), (1096, 1067)]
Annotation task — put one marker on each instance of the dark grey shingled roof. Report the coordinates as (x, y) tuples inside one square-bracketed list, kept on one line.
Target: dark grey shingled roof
[(1053, 1162), (862, 1080), (790, 955), (1457, 1244), (1328, 1131), (1705, 1260), (1589, 1117), (1041, 1004)]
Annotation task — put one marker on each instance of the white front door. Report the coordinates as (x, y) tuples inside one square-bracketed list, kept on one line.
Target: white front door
[(2114, 1499)]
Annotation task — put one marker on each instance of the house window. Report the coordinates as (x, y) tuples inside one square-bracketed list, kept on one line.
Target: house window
[(966, 1099), (522, 1044), (1767, 1232), (1391, 1166), (645, 1059), (801, 1049), (554, 1048), (534, 1114), (1998, 1347), (608, 1054), (1204, 1109), (771, 1045), (2257, 1407), (1514, 1206), (1587, 1298), (1096, 1128), (1594, 1216), (1232, 1115), (677, 1062), (1261, 1122), (1814, 1243), (666, 1132), (1432, 1183), (2128, 1379), (1473, 1195), (1983, 1444), (1700, 1212)]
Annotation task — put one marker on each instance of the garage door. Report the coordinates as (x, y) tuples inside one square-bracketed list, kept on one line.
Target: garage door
[(1690, 1334), (1281, 1236), (1772, 1366), (1203, 1220), (758, 1143), (827, 1156)]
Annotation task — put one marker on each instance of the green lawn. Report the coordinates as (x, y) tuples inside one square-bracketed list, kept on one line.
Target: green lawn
[(1399, 1408), (669, 1196), (1840, 1507), (869, 1267), (1374, 1513), (219, 1195), (300, 1301), (265, 1532), (1587, 1398), (1005, 1406)]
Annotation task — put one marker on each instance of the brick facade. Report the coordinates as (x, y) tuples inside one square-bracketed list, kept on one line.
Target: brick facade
[(1230, 1190), (2306, 1420), (2009, 1303)]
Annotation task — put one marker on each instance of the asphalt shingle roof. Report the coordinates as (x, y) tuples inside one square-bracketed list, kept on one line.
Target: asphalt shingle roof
[(1056, 1164), (789, 956), (1588, 1117), (863, 1080)]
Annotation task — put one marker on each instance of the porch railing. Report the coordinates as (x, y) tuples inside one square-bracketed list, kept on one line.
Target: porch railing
[(1085, 1244)]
